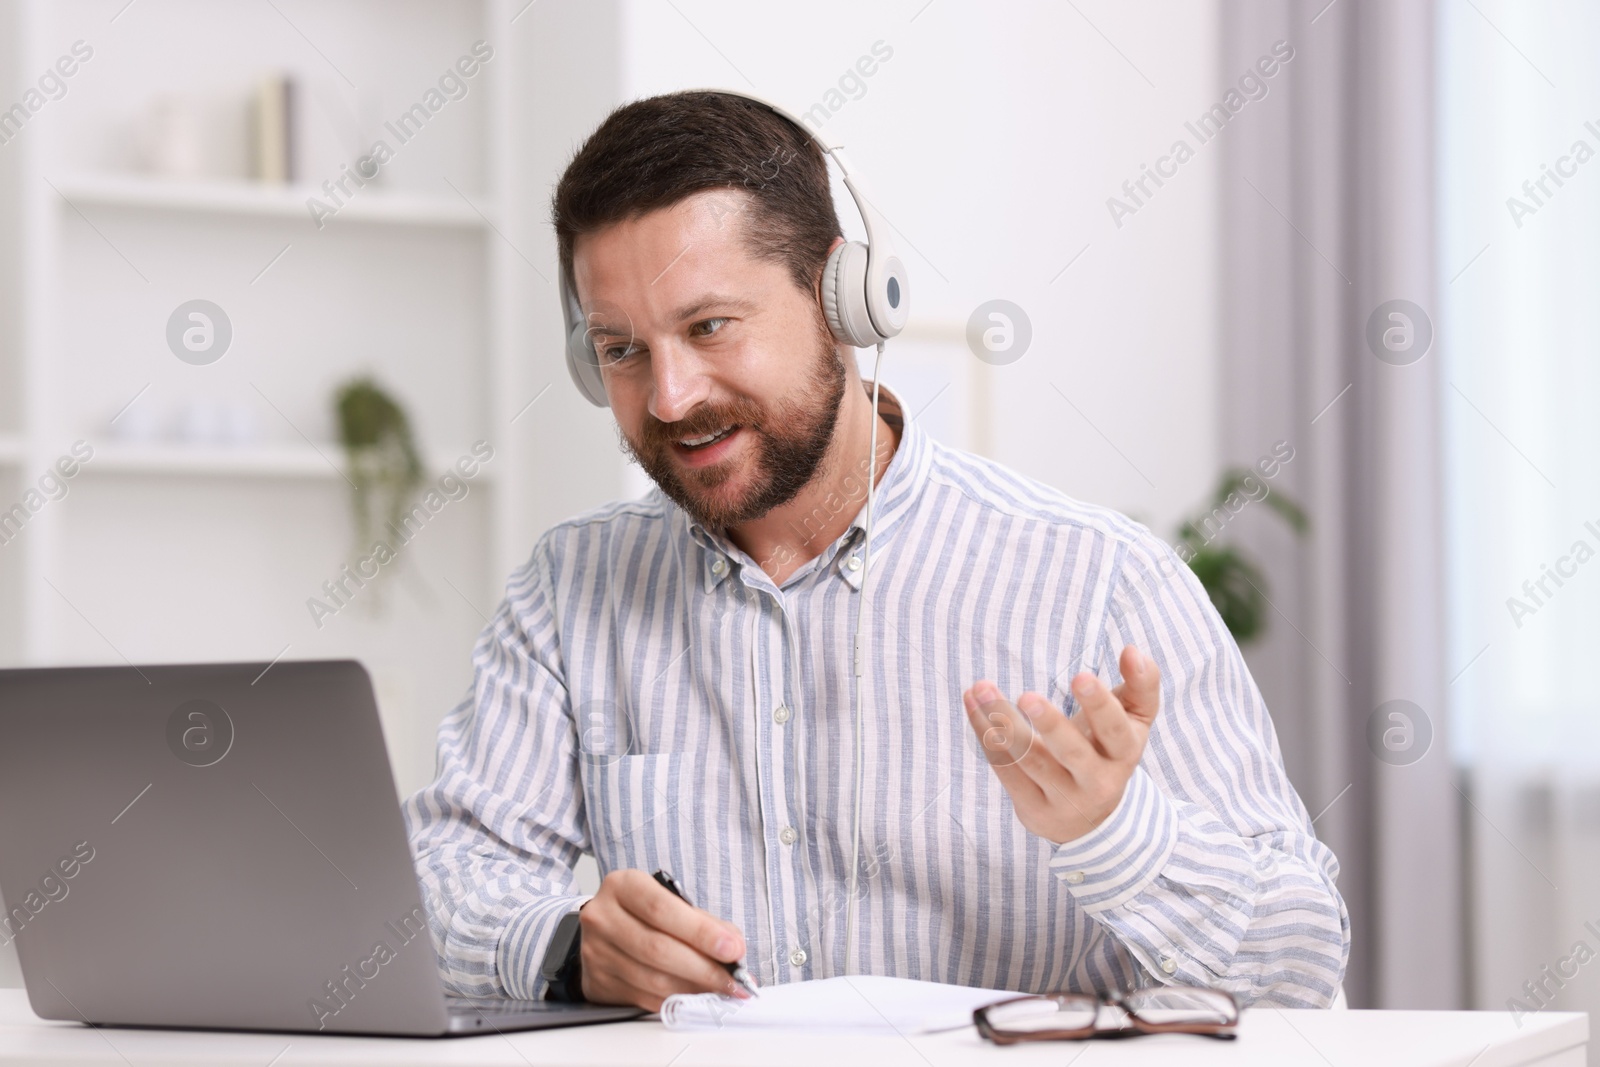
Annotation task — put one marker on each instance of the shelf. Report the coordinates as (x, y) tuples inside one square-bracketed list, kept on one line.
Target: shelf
[(273, 461), (248, 199), (288, 461)]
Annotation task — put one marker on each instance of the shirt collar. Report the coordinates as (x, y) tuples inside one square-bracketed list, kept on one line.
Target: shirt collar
[(895, 495), (893, 498)]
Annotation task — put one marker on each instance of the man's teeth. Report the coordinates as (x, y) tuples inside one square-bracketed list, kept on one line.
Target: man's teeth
[(696, 442)]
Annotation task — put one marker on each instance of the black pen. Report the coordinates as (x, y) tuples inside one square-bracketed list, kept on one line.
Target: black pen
[(740, 975)]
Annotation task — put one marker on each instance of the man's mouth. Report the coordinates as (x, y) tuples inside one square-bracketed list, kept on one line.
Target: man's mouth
[(694, 444)]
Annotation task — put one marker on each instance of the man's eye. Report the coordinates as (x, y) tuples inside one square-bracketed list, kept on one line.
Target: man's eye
[(707, 327), (617, 353)]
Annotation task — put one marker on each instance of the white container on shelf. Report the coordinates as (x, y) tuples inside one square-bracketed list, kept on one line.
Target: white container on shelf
[(188, 136)]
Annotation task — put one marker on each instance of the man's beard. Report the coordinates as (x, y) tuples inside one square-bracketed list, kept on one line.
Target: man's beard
[(792, 441)]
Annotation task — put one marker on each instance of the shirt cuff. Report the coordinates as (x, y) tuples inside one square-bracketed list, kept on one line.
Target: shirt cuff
[(1117, 860), (523, 942)]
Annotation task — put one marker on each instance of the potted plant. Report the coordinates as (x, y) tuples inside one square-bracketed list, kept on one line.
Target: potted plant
[(1233, 580), (381, 453)]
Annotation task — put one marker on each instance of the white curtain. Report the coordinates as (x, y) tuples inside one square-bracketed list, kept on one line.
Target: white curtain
[(1328, 212), (1519, 277)]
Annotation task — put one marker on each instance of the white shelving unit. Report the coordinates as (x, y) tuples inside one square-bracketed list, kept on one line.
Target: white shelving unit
[(167, 549)]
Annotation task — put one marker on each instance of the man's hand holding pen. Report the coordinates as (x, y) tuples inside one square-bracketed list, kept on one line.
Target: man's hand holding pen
[(642, 943)]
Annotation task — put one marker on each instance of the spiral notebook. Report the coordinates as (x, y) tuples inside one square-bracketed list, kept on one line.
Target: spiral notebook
[(852, 1002)]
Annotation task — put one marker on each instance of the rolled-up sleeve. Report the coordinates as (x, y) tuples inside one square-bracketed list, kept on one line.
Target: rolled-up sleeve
[(497, 834)]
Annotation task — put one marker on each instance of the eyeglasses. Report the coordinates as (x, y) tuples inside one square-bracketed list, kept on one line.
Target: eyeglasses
[(1073, 1016)]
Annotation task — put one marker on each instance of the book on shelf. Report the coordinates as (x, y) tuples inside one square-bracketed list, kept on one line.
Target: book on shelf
[(274, 128)]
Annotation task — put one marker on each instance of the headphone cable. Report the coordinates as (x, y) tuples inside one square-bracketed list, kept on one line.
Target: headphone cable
[(861, 610)]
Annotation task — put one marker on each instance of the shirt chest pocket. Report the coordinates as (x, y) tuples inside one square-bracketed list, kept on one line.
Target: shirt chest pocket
[(634, 807)]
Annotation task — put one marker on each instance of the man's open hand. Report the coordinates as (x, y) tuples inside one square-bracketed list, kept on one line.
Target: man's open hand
[(1066, 775), (641, 944)]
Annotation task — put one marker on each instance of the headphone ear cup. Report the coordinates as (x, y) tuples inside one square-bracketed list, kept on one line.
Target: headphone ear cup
[(844, 296), (583, 366), (582, 363)]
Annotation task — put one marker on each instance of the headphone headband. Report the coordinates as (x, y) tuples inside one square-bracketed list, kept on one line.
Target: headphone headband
[(866, 294)]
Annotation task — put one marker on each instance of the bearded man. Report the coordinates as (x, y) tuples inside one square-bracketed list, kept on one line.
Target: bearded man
[(1070, 779)]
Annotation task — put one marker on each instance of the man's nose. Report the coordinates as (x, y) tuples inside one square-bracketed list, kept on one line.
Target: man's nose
[(678, 383)]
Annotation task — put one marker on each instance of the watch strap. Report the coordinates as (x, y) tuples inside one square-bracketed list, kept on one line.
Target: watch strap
[(565, 976)]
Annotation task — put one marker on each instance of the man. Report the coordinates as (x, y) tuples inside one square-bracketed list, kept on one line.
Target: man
[(668, 683)]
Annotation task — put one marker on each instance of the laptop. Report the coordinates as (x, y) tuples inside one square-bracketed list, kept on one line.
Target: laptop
[(220, 846)]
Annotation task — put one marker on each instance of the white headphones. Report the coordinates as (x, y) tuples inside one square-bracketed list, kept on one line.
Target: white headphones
[(865, 292)]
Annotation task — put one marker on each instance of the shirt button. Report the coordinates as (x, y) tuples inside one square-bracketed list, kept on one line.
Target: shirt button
[(854, 563), (798, 957), (719, 566), (1168, 964), (788, 835), (781, 715), (1074, 877)]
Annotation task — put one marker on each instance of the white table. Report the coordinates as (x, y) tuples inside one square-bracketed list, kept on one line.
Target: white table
[(1266, 1037)]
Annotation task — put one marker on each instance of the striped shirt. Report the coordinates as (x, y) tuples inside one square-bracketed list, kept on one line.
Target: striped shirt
[(647, 694)]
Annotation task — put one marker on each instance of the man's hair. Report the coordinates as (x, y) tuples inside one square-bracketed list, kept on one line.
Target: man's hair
[(653, 153)]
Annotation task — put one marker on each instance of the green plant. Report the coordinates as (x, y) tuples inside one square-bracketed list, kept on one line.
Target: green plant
[(1233, 580), (381, 452)]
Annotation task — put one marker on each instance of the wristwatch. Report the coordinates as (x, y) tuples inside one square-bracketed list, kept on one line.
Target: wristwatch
[(562, 966)]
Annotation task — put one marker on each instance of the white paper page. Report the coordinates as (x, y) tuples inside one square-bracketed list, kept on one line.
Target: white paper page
[(854, 1002)]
